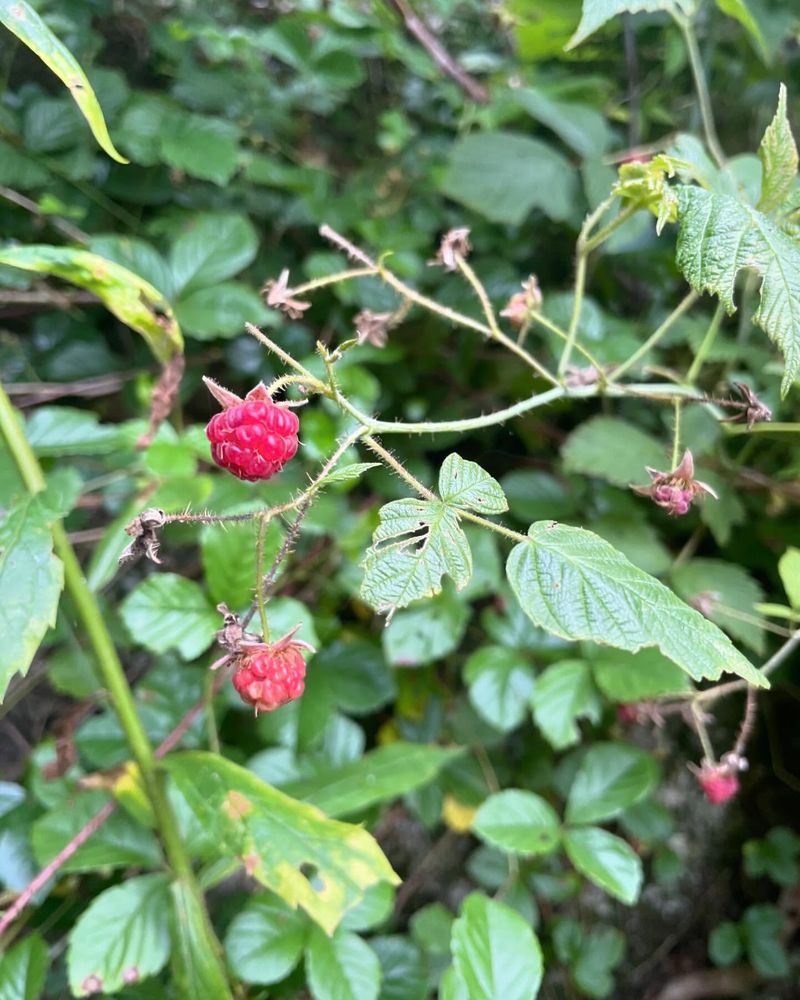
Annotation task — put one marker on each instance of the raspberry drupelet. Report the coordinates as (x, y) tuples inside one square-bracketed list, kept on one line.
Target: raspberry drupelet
[(270, 675), (252, 437)]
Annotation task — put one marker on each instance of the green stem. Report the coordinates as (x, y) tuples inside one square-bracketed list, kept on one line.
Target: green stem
[(686, 303), (619, 220), (262, 610), (701, 86), (706, 345), (577, 304), (676, 434), (548, 324), (111, 671), (333, 279)]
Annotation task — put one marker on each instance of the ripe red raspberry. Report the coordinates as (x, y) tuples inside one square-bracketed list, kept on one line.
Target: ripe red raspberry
[(269, 675), (718, 781), (252, 437)]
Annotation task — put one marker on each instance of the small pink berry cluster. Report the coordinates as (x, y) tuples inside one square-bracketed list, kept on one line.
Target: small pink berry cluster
[(720, 782), (675, 491), (270, 675), (252, 437)]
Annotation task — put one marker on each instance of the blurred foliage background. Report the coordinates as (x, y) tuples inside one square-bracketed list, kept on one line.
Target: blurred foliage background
[(248, 125)]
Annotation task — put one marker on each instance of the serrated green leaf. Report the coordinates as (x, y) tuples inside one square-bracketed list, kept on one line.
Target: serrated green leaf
[(427, 631), (20, 18), (613, 450), (597, 12), (278, 837), (415, 544), (465, 484), (229, 559), (517, 822), (495, 952), (349, 473), (167, 611), (631, 677), (563, 693), (130, 298), (342, 967), (610, 777), (719, 236), (23, 969), (727, 594), (378, 776), (203, 147), (220, 310), (214, 247), (577, 586), (778, 155), (502, 176), (404, 971), (739, 10), (31, 580), (606, 860), (500, 683), (121, 937), (265, 940)]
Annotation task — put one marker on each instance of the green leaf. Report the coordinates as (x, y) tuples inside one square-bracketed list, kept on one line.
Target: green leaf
[(349, 473), (777, 856), (606, 860), (465, 484), (342, 967), (415, 544), (167, 611), (601, 950), (611, 776), (403, 968), (564, 692), (789, 570), (725, 943), (216, 246), (577, 586), (277, 837), (357, 673), (203, 147), (597, 12), (229, 559), (265, 940), (517, 822), (197, 971), (382, 774), (119, 843), (426, 632), (762, 927), (121, 937), (779, 160), (500, 683), (727, 594), (739, 10), (23, 969), (502, 176), (220, 311), (130, 298), (630, 677), (581, 127), (31, 580), (613, 450), (53, 431), (495, 952), (136, 255), (20, 18), (720, 236)]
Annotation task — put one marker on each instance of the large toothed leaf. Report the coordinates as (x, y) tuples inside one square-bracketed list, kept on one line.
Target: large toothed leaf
[(574, 584), (279, 839), (596, 12), (130, 298), (26, 24), (416, 543), (778, 155), (720, 236)]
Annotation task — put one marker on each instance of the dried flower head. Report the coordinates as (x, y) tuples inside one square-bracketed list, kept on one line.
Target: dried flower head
[(372, 328), (576, 377), (278, 296), (675, 491), (521, 305), (455, 243), (143, 530), (752, 409)]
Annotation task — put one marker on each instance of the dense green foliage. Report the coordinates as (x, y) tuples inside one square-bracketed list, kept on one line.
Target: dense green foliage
[(483, 791)]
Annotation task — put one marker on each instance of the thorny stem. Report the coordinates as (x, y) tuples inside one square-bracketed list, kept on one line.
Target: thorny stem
[(683, 306), (777, 658), (496, 333), (334, 279), (263, 521), (748, 721), (548, 324), (676, 433), (702, 733), (701, 86), (113, 676), (706, 345)]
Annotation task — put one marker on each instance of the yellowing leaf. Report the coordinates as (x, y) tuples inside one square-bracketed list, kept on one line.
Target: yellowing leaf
[(21, 19)]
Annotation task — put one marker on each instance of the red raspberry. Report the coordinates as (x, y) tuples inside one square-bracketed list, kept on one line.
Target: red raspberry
[(269, 675), (252, 437), (718, 781)]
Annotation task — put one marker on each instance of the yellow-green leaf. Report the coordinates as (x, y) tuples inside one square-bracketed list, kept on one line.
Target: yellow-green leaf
[(130, 298), (21, 19)]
